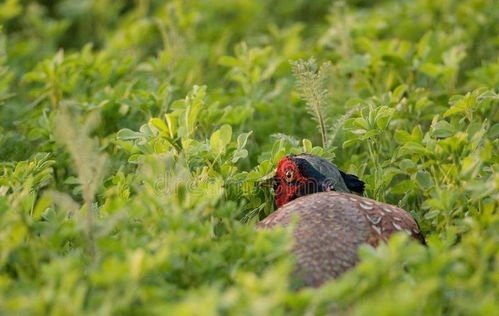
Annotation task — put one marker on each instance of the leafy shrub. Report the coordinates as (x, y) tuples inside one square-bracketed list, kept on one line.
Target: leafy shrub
[(151, 208)]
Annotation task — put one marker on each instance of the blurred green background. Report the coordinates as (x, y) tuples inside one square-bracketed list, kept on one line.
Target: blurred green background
[(132, 134)]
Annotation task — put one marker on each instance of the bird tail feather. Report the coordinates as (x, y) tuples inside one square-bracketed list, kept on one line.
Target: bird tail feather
[(353, 182)]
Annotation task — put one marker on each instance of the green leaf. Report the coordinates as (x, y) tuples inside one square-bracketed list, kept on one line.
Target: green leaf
[(128, 134), (394, 59), (239, 154), (403, 187), (431, 214), (402, 136), (407, 166), (424, 45), (159, 124), (225, 134), (424, 180), (307, 145), (442, 129), (242, 139), (220, 139), (361, 122), (350, 142), (493, 132), (399, 92), (194, 103), (414, 148), (371, 133), (382, 122)]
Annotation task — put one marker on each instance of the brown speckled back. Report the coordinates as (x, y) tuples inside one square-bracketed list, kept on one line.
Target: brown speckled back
[(331, 226)]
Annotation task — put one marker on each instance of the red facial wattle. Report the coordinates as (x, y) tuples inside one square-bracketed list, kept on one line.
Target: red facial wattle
[(285, 193), (288, 186)]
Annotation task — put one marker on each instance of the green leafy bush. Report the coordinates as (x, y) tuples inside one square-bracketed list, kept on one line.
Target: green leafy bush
[(133, 135)]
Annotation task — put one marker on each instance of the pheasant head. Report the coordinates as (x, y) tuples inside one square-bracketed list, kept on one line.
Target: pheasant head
[(303, 174)]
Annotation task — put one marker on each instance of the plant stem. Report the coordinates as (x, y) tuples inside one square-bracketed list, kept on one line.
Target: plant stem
[(89, 227)]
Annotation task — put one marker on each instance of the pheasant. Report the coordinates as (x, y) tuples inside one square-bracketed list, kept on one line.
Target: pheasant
[(331, 221)]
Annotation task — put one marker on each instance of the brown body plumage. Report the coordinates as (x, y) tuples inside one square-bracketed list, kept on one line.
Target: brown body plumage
[(332, 225)]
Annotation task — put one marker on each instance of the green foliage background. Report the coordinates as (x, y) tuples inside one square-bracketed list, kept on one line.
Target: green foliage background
[(133, 132)]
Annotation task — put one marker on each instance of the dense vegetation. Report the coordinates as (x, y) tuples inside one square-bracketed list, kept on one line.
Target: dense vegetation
[(134, 134)]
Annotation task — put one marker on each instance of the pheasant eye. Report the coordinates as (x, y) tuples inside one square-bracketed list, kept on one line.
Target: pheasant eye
[(289, 175)]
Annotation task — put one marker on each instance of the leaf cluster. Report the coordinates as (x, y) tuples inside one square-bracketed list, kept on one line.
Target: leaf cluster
[(133, 136)]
